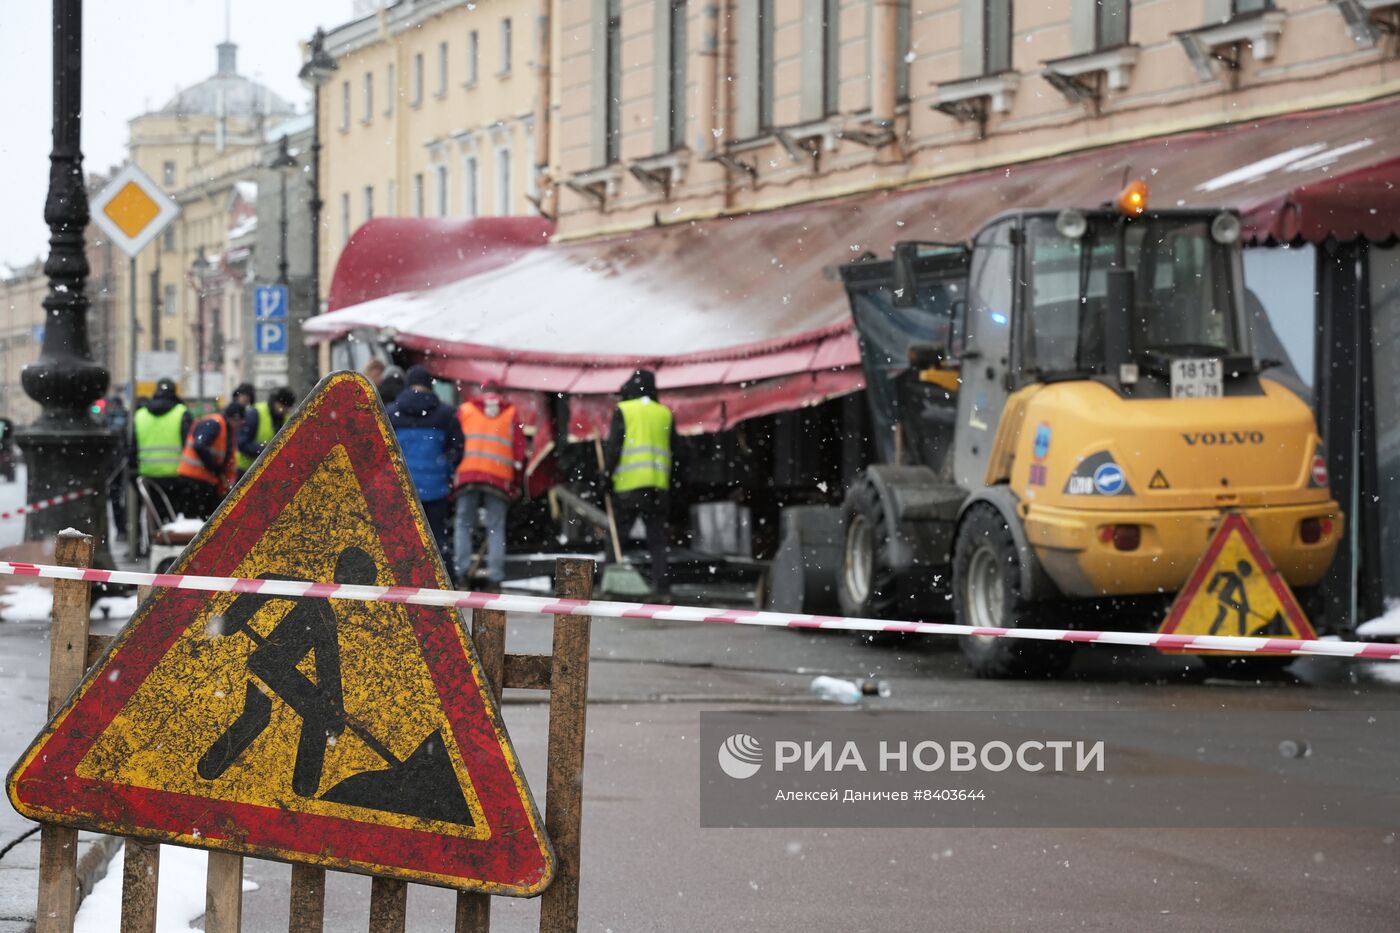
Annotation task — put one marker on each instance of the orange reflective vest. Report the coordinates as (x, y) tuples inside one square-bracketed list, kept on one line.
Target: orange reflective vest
[(223, 448), (489, 453)]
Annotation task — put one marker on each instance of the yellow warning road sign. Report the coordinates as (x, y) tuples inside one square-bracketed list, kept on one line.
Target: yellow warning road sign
[(343, 734), (1236, 590)]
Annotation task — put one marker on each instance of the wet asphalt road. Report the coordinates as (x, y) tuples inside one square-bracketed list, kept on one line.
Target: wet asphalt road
[(647, 865)]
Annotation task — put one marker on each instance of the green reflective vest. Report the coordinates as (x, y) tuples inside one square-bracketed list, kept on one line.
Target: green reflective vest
[(265, 433), (159, 442), (646, 446)]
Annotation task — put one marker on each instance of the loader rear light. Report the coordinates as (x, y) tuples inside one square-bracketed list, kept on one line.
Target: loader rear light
[(1132, 200), (1122, 537), (1313, 530)]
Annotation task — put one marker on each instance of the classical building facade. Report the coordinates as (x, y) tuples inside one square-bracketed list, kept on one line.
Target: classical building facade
[(204, 149), (670, 110), (430, 113)]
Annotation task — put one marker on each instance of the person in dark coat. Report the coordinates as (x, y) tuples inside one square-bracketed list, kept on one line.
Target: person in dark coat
[(432, 443), (391, 385)]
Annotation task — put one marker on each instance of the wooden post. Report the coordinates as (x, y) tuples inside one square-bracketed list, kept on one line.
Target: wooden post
[(223, 893), (568, 707), (308, 908), (489, 637), (388, 905), (58, 846), (140, 886)]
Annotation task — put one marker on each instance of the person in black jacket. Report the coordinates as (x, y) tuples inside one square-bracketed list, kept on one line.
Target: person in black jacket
[(432, 443)]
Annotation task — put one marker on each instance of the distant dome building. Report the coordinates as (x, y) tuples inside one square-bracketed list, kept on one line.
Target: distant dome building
[(227, 94)]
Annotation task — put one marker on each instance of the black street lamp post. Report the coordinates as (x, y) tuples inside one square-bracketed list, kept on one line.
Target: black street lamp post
[(320, 66), (283, 163), (66, 450)]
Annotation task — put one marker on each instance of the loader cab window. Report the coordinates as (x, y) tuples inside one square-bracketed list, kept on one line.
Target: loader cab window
[(1187, 299)]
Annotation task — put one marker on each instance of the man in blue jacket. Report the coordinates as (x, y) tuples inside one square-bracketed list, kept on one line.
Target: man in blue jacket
[(431, 439)]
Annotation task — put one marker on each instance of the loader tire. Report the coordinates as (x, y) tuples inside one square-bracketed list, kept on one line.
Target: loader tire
[(987, 594), (866, 586)]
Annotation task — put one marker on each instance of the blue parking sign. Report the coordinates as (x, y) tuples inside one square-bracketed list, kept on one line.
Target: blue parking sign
[(270, 302), (271, 337)]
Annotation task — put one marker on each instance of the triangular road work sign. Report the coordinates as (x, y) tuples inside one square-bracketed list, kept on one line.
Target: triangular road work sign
[(1236, 590), (347, 735)]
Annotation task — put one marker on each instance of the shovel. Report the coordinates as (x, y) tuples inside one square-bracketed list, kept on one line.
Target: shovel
[(619, 578)]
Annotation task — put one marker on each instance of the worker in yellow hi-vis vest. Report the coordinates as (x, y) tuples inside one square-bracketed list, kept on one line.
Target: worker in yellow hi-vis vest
[(640, 458), (264, 420)]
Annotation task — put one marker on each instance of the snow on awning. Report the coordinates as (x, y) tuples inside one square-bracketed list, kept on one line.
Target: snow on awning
[(389, 255), (733, 309)]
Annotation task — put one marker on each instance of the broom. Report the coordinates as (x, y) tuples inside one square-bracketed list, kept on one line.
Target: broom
[(619, 578)]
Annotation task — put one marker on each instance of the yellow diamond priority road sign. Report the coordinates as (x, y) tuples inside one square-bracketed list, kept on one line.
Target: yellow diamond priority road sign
[(132, 210)]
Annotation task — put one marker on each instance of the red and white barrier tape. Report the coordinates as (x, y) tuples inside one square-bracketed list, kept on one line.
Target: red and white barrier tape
[(47, 503), (416, 596)]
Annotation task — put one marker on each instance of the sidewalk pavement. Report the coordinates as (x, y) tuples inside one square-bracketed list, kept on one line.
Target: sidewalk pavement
[(24, 662)]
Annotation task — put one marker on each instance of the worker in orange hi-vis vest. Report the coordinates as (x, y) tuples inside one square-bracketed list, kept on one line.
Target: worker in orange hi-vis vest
[(209, 464), (488, 479)]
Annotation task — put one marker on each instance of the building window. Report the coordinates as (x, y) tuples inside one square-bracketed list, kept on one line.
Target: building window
[(170, 300), (442, 70), (344, 218), (345, 105), (471, 186), (755, 71), (440, 172), (369, 202), (821, 59), (369, 96), (505, 46), (167, 174), (391, 203), (671, 74), (1246, 7), (418, 194), (987, 40), (391, 90), (903, 50), (612, 85), (503, 181), (473, 58), (417, 79), (1110, 23), (169, 345), (167, 239)]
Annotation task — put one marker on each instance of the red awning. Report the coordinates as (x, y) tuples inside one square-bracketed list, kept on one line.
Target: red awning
[(401, 254), (741, 316)]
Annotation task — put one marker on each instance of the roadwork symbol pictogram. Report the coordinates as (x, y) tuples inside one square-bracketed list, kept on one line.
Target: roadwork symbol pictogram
[(1237, 591), (343, 734)]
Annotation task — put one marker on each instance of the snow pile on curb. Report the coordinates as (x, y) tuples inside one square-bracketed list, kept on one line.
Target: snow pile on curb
[(33, 602), (180, 893), (1387, 626)]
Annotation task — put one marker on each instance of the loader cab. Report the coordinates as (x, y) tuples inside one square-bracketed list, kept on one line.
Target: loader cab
[(1046, 296)]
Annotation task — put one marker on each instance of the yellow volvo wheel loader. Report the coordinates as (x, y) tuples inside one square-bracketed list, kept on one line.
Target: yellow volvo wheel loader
[(1068, 406)]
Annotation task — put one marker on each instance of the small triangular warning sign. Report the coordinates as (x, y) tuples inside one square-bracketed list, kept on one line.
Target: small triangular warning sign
[(1237, 591), (342, 734), (1159, 481)]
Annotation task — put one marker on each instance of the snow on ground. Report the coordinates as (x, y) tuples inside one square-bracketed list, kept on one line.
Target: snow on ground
[(183, 526), (530, 585), (1387, 626), (31, 602), (179, 898)]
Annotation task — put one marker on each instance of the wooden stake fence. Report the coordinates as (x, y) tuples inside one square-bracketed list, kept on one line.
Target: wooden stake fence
[(564, 674)]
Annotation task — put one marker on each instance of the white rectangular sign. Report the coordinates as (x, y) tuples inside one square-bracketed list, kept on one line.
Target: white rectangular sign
[(270, 363), (154, 365)]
